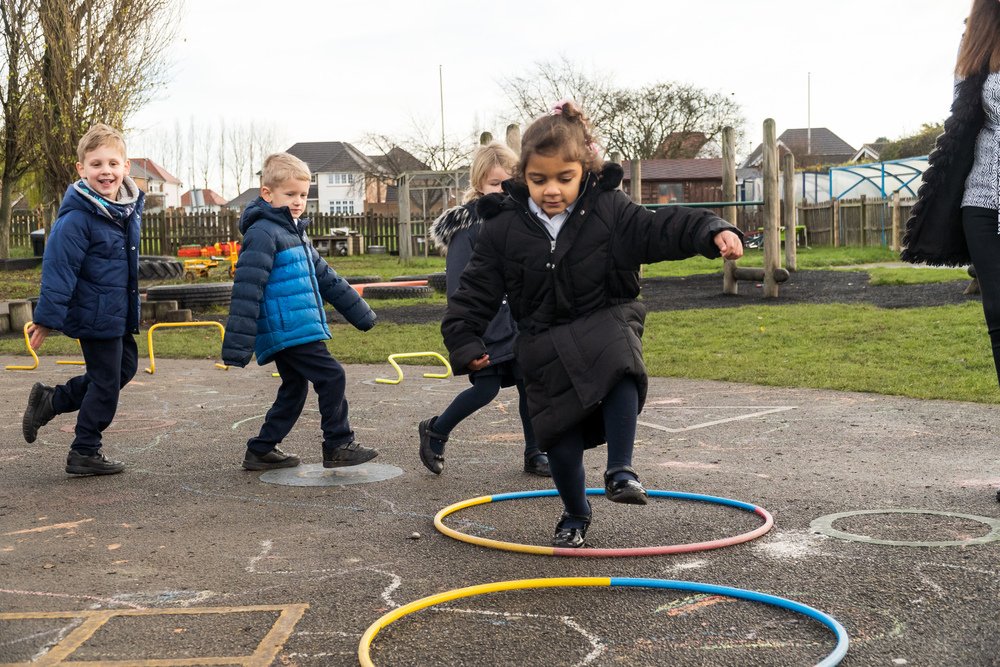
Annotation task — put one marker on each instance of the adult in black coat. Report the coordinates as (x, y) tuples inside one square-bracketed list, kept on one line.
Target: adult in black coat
[(955, 220), (565, 246)]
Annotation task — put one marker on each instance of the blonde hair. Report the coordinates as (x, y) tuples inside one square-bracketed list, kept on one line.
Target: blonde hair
[(487, 157), (565, 132), (980, 47), (99, 135), (280, 167)]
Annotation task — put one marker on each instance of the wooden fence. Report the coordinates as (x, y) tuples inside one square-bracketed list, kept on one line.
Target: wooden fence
[(855, 222), (164, 232)]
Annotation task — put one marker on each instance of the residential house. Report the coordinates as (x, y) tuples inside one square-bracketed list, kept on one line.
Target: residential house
[(870, 152), (340, 176), (202, 201), (240, 201), (811, 147), (677, 181), (163, 190)]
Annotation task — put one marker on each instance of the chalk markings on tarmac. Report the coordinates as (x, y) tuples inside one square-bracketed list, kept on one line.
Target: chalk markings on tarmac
[(69, 526), (938, 589), (758, 411), (92, 621)]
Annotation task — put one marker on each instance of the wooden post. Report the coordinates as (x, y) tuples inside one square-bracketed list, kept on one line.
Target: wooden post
[(405, 251), (485, 138), (791, 238), (514, 138), (729, 283), (864, 218), (771, 210), (635, 182), (835, 221), (20, 314), (897, 214)]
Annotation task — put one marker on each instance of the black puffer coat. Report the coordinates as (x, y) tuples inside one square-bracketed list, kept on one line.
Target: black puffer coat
[(934, 233), (574, 300)]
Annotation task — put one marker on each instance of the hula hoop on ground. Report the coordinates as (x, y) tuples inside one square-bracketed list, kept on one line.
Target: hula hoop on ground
[(833, 658), (607, 553)]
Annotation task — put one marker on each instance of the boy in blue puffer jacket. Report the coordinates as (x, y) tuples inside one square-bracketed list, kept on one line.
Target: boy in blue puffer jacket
[(90, 291), (277, 313)]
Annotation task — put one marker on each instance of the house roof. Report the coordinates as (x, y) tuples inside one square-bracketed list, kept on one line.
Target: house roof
[(143, 167), (327, 156), (242, 199), (819, 142), (398, 160), (198, 197), (871, 150), (677, 170)]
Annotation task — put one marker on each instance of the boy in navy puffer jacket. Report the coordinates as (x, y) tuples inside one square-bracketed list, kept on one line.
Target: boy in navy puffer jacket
[(277, 313), (90, 291)]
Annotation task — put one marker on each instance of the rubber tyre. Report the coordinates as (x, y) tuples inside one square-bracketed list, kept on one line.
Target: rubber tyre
[(398, 292), (358, 280), (407, 278), (438, 281), (153, 267)]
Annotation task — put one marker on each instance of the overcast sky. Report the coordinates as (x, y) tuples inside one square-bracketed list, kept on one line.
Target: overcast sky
[(335, 71)]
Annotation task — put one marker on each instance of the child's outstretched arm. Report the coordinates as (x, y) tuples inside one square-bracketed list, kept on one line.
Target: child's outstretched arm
[(472, 307), (338, 293), (253, 268), (672, 232)]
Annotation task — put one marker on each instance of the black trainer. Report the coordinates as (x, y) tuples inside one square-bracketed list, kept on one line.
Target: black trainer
[(351, 454), (92, 464), (574, 536), (273, 459), (624, 490), (431, 459), (39, 411), (538, 464)]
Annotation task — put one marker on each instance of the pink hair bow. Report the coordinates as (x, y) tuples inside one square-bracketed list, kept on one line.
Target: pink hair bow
[(557, 108)]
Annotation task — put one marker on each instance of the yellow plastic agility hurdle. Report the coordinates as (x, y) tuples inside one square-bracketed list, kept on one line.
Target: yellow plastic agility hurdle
[(411, 355), (27, 344), (159, 325)]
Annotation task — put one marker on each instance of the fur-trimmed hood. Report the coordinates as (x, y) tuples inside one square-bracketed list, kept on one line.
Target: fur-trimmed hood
[(451, 221)]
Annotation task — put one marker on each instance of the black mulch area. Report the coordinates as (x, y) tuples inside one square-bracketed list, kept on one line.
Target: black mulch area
[(705, 291)]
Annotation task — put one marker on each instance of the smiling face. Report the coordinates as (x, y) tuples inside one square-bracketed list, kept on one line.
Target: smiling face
[(553, 183), (492, 180), (104, 169), (291, 192)]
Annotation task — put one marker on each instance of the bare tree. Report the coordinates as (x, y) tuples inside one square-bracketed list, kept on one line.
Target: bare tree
[(533, 94), (221, 156), (239, 155), (100, 61), (205, 145), (18, 98)]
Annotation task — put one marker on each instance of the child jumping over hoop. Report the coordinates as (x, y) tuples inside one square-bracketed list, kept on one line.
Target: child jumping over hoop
[(456, 230), (565, 246)]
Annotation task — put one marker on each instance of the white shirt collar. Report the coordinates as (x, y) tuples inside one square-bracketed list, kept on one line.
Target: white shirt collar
[(555, 223)]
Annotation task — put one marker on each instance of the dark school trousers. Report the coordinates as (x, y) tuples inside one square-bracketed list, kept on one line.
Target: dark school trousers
[(982, 234), (299, 366), (111, 364)]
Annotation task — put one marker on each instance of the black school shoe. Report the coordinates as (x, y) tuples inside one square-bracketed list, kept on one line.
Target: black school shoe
[(571, 538), (92, 464), (39, 411), (273, 459), (431, 459), (538, 464), (627, 491), (351, 454)]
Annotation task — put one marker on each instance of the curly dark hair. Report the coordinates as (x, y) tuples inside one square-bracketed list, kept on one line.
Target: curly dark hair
[(565, 131)]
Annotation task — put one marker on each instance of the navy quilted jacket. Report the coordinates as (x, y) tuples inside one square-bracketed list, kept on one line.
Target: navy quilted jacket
[(279, 289), (90, 267)]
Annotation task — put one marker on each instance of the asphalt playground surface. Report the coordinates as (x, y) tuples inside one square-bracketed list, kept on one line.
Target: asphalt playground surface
[(185, 558)]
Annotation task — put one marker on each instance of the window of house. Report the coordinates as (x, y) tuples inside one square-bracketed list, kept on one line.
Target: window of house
[(312, 178), (339, 179), (342, 206), (670, 193)]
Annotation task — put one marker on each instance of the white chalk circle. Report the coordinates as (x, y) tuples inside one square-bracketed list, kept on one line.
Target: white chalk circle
[(314, 474), (824, 525)]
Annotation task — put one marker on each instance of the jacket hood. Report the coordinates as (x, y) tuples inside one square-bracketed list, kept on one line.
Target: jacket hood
[(609, 178), (259, 209), (450, 222), (79, 197)]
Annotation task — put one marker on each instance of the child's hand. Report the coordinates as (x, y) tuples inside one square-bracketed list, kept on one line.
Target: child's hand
[(480, 363), (36, 335), (729, 244)]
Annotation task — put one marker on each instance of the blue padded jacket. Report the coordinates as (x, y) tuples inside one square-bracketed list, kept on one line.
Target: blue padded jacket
[(90, 267), (279, 289)]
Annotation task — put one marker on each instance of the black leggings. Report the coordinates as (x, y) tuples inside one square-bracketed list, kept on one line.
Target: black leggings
[(483, 390), (620, 409), (982, 234)]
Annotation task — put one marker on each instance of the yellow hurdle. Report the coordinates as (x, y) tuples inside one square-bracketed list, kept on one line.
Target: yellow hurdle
[(411, 355), (159, 325), (27, 344)]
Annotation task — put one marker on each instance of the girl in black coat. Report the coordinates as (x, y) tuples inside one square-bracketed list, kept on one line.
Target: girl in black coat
[(456, 230), (565, 246)]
